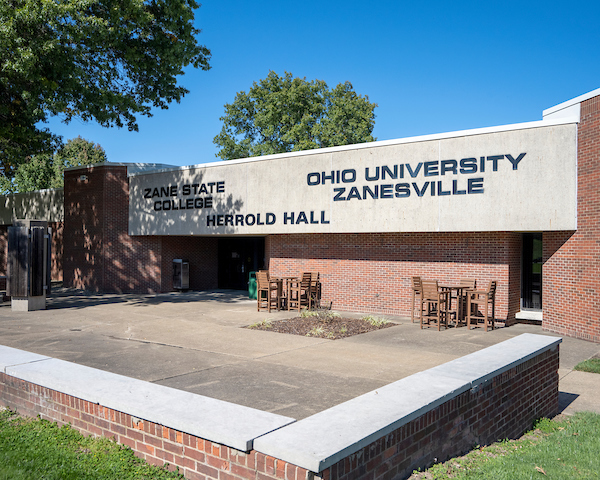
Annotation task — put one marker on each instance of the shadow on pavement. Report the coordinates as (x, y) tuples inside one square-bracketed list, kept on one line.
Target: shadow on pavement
[(565, 399), (72, 298)]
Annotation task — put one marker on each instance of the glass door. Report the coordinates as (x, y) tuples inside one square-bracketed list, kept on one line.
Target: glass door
[(531, 272)]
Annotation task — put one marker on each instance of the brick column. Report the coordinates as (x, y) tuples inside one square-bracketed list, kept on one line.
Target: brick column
[(99, 254), (571, 272)]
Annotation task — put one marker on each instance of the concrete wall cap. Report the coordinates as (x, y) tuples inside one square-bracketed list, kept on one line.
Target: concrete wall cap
[(352, 425), (214, 420), (12, 356)]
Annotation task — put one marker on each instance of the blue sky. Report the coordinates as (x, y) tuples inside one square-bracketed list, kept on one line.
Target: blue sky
[(431, 66)]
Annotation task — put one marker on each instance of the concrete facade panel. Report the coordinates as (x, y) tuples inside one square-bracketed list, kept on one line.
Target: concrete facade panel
[(516, 180)]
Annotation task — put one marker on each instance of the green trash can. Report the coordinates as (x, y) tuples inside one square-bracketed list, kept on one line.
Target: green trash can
[(252, 286)]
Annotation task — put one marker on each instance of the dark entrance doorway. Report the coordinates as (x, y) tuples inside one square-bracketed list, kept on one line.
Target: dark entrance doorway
[(531, 272), (237, 258)]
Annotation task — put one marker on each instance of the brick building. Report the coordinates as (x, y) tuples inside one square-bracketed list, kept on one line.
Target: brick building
[(519, 204)]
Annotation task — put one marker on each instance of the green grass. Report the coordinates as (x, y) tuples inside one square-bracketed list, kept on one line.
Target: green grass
[(34, 448), (562, 450), (592, 365)]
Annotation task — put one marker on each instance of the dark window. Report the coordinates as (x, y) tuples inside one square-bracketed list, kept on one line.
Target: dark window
[(531, 271)]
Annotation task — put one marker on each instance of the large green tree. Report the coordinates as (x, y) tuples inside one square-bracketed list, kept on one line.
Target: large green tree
[(102, 60), (284, 114), (46, 170)]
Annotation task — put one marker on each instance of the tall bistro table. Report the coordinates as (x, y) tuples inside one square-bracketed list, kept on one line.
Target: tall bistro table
[(284, 290), (461, 291)]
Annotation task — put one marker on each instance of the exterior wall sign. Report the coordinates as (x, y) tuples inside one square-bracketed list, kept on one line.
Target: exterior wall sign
[(434, 168), (519, 180)]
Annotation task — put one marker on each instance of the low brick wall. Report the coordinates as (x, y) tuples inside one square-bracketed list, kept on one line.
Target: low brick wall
[(492, 394)]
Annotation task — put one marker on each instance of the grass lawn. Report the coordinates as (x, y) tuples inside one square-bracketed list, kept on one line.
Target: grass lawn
[(592, 365), (33, 448), (562, 449)]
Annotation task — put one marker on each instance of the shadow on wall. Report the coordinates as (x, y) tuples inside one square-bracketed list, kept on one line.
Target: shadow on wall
[(104, 257), (156, 210), (42, 205), (100, 254)]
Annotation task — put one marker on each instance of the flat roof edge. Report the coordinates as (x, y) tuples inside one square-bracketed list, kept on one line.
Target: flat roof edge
[(130, 165), (380, 143), (573, 101)]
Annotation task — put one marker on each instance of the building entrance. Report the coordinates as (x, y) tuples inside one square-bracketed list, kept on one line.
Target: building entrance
[(531, 272), (237, 258)]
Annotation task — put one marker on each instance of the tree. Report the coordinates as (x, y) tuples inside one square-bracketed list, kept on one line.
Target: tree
[(285, 114), (47, 171), (102, 60)]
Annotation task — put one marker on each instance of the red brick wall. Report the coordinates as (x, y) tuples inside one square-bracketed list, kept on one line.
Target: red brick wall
[(57, 249), (202, 254), (371, 272), (103, 257), (503, 407), (571, 272), (99, 253)]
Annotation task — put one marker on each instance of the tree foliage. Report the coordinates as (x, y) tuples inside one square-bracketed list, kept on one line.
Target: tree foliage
[(47, 170), (102, 60), (284, 114)]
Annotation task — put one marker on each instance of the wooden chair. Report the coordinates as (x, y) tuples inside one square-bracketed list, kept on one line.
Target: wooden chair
[(300, 294), (265, 288), (434, 304), (315, 289), (485, 299), (417, 291)]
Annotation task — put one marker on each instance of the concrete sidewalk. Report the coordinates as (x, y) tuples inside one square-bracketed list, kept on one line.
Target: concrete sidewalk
[(194, 341)]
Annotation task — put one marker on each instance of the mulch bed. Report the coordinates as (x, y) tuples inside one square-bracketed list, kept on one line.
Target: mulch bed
[(330, 329)]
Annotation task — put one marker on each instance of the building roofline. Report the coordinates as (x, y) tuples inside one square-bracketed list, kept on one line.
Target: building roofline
[(572, 102), (135, 166), (380, 143)]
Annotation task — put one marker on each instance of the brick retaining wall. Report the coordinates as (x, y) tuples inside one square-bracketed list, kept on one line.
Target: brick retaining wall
[(493, 394)]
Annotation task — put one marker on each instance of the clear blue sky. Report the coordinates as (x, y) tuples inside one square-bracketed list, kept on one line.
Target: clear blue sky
[(431, 66)]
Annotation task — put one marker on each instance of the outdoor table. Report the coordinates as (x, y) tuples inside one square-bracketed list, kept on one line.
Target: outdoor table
[(283, 293), (460, 294)]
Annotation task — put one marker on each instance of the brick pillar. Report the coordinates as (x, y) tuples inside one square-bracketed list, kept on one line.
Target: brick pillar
[(99, 254), (571, 272)]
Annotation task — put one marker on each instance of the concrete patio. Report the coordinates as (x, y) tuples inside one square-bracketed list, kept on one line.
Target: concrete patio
[(194, 341)]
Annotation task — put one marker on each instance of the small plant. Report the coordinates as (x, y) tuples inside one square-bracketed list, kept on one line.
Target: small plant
[(375, 321), (266, 323), (592, 365), (329, 315), (320, 314), (343, 330), (316, 332)]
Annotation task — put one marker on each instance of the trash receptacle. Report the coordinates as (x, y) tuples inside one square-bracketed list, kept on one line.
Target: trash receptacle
[(181, 274), (252, 286)]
